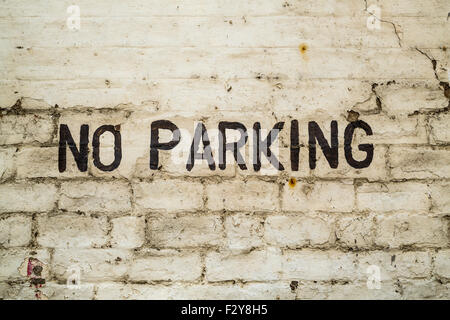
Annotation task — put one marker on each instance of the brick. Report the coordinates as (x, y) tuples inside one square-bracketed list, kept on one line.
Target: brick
[(297, 231), (50, 291), (404, 229), (387, 197), (128, 232), (213, 31), (204, 7), (116, 291), (188, 231), (424, 289), (91, 196), (34, 104), (395, 265), (402, 8), (254, 291), (355, 232), (15, 231), (419, 163), (393, 130), (256, 94), (442, 264), (440, 64), (318, 265), (93, 264), (318, 196), (335, 63), (439, 129), (399, 99), (169, 195), (169, 266), (72, 231), (7, 163), (419, 33), (242, 196), (18, 129), (330, 96), (42, 162), (348, 291), (85, 291), (258, 265), (440, 197), (28, 197), (412, 8), (244, 232)]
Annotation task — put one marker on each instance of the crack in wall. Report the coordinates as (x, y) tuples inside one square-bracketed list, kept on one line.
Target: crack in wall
[(385, 21)]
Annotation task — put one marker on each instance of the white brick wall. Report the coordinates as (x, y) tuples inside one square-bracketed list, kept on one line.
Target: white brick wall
[(136, 233)]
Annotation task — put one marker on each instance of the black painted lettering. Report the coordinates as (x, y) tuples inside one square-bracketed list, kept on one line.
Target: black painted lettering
[(200, 134), (156, 145), (295, 145), (331, 153), (264, 146), (117, 147), (234, 146), (81, 157), (368, 148)]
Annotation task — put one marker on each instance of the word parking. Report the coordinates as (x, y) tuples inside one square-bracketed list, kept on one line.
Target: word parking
[(261, 146)]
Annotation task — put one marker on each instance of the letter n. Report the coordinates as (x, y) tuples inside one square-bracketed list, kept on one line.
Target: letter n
[(330, 152), (80, 156)]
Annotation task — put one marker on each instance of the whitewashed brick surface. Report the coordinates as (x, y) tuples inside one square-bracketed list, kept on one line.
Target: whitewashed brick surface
[(136, 233)]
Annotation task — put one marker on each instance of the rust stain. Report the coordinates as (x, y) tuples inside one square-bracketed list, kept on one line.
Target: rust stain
[(292, 182), (303, 48)]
